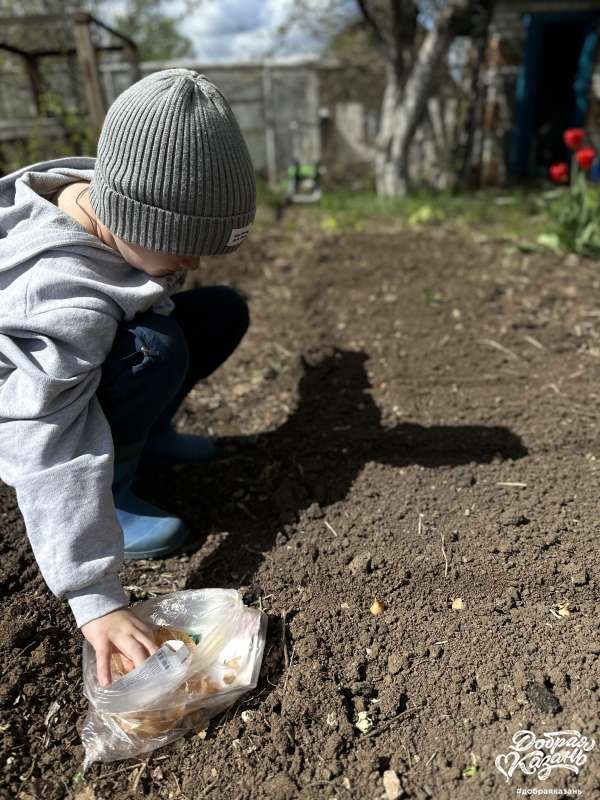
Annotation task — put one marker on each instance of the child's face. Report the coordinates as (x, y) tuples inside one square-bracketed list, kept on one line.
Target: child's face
[(153, 262)]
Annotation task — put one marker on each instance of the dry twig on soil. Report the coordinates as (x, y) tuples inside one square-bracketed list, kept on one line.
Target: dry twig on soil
[(534, 342), (181, 794), (136, 780), (445, 558), (126, 768), (208, 787), (246, 511), (390, 722), (501, 348), (287, 674), (286, 657)]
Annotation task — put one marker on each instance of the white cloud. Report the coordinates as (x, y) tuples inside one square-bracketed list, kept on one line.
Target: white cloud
[(244, 29)]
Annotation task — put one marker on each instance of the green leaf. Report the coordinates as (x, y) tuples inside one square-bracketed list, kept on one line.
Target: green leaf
[(431, 297), (575, 215), (329, 224), (551, 241), (426, 214)]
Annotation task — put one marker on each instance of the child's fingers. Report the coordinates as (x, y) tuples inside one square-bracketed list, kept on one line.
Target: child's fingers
[(147, 642), (103, 664), (134, 650), (142, 627)]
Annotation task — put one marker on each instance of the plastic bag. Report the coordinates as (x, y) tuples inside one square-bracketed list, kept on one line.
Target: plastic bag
[(210, 654)]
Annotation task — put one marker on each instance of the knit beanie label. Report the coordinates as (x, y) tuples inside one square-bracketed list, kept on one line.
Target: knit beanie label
[(238, 235), (173, 173)]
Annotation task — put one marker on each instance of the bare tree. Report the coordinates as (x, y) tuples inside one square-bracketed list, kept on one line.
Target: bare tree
[(413, 62), (414, 38)]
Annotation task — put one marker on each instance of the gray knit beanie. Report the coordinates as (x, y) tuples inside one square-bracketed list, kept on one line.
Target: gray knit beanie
[(172, 172)]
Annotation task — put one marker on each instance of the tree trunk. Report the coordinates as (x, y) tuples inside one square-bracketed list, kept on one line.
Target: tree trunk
[(386, 174), (405, 103), (403, 110), (475, 90)]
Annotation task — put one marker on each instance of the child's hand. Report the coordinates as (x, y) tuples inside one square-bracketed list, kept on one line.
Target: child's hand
[(122, 632)]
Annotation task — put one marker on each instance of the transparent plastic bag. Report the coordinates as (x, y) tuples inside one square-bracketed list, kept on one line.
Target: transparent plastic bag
[(210, 654)]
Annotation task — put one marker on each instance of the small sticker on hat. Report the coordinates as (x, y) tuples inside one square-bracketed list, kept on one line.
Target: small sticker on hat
[(237, 236)]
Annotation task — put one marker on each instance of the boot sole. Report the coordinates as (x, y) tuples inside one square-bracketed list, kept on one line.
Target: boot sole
[(161, 552)]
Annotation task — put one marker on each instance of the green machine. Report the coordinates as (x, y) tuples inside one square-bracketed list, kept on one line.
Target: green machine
[(304, 182)]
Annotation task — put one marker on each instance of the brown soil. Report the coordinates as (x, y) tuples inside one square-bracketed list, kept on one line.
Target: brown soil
[(394, 381)]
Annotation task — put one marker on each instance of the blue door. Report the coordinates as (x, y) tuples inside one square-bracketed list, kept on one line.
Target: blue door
[(552, 88)]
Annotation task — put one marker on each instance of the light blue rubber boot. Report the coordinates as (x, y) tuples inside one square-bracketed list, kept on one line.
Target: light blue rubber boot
[(148, 532)]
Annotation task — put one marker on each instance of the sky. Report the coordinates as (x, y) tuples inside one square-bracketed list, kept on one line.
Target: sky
[(245, 29), (242, 29)]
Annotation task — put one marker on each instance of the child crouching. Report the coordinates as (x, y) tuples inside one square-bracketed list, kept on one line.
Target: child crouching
[(98, 347)]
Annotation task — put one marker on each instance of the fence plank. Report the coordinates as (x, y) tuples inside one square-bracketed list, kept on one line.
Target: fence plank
[(89, 71)]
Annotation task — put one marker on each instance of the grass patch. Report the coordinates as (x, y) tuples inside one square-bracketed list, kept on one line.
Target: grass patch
[(514, 214)]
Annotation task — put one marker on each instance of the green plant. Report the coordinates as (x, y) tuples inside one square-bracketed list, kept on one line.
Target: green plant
[(431, 297), (426, 215), (575, 216), (471, 770), (575, 212)]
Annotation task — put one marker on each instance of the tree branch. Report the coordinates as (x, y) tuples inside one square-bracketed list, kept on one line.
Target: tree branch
[(394, 23), (364, 9)]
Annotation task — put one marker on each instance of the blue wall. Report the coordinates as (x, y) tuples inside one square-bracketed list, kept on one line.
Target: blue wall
[(530, 77)]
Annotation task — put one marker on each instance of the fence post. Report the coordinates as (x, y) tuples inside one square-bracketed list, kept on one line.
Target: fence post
[(270, 144), (134, 64), (89, 70), (312, 109), (33, 73)]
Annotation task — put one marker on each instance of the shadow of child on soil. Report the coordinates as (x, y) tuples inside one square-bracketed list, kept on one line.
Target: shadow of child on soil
[(314, 457)]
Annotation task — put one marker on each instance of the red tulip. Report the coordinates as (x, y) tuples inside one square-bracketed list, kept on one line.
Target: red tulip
[(559, 173), (585, 158), (574, 138)]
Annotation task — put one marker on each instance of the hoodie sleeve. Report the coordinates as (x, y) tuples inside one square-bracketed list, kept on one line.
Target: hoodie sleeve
[(56, 450)]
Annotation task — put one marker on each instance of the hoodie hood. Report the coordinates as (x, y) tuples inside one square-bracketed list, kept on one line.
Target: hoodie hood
[(31, 225), (29, 222)]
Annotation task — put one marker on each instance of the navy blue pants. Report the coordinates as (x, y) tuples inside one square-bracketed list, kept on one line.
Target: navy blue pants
[(155, 361)]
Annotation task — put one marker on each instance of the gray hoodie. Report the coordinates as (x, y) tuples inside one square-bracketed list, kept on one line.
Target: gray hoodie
[(62, 294)]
